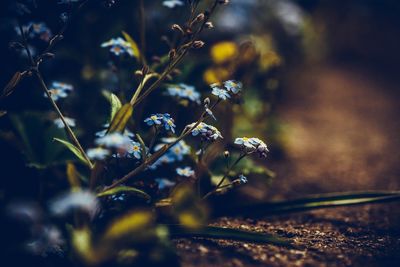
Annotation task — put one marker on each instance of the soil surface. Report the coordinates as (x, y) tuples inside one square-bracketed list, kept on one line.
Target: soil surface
[(343, 134)]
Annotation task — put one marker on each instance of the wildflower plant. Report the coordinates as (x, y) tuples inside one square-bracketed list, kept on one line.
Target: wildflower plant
[(139, 166)]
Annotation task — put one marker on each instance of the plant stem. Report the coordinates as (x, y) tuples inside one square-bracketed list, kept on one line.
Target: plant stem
[(61, 116), (224, 177), (142, 33)]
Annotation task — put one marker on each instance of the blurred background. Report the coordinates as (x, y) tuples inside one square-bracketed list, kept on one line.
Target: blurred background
[(320, 86)]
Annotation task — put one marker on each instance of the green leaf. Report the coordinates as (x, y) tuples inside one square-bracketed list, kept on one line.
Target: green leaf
[(36, 133), (120, 119), (125, 189), (114, 101), (73, 149), (177, 231), (133, 44)]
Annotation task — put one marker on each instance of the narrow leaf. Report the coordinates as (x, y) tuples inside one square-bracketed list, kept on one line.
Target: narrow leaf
[(133, 44), (177, 231), (125, 189), (73, 149), (114, 102), (314, 202), (120, 119), (73, 177), (9, 88)]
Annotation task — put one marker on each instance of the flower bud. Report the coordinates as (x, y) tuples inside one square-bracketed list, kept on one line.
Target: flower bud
[(226, 154), (198, 44), (209, 25), (176, 27), (206, 102), (223, 2), (172, 54)]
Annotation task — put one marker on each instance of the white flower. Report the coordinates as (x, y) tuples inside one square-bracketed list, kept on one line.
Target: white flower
[(114, 140), (186, 171), (98, 153), (83, 200), (172, 3), (60, 124)]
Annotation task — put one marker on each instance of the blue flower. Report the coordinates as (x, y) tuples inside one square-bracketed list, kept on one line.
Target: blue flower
[(184, 91), (164, 120), (233, 86), (97, 153), (164, 183), (222, 93), (36, 30), (186, 171), (59, 90), (154, 119), (118, 46), (134, 149), (60, 124), (175, 153), (206, 131), (168, 123), (172, 3), (250, 145), (243, 179)]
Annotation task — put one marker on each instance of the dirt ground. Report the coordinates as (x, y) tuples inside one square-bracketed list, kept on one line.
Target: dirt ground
[(343, 134)]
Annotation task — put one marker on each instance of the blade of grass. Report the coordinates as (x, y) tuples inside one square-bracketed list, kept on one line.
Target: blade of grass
[(177, 231), (329, 200)]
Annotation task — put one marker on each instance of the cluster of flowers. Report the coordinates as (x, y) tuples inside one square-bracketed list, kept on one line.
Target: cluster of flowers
[(59, 90), (228, 89), (36, 30), (119, 144), (184, 91), (251, 145), (118, 47), (206, 131), (174, 154), (161, 120)]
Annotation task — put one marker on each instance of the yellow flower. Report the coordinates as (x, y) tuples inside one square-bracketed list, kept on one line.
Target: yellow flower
[(223, 52)]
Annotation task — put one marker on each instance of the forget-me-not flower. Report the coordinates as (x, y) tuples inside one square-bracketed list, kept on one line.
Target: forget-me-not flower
[(97, 153), (118, 46), (60, 124), (186, 171)]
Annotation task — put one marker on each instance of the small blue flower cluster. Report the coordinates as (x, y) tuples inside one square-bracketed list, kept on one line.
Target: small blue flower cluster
[(164, 183), (37, 30), (184, 91), (228, 89), (250, 145), (174, 154), (120, 144), (118, 47), (163, 120), (59, 90), (206, 131)]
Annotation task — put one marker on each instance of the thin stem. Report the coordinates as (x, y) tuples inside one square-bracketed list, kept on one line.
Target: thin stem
[(61, 116), (182, 51), (153, 139), (225, 176), (142, 33)]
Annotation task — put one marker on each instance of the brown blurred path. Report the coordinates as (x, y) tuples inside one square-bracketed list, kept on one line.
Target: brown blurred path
[(343, 134)]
